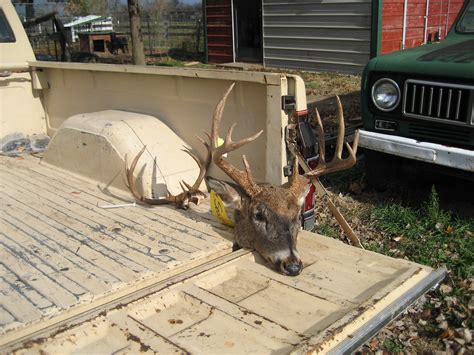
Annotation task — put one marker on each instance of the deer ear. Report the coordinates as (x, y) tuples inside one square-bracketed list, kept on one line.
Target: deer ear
[(231, 195), (303, 193)]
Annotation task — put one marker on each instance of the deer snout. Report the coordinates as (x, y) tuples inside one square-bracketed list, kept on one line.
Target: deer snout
[(289, 264), (292, 267)]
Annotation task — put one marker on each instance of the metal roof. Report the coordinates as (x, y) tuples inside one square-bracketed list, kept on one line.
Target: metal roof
[(83, 20)]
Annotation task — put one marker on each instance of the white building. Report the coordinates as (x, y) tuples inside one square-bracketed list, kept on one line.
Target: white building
[(90, 23)]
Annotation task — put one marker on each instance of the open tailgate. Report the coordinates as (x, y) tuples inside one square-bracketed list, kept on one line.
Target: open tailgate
[(237, 304)]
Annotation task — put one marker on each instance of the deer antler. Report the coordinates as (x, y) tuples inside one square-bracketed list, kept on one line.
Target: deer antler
[(337, 163), (182, 200), (243, 178)]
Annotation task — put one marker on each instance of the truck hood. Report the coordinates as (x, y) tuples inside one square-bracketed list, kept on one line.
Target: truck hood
[(451, 55)]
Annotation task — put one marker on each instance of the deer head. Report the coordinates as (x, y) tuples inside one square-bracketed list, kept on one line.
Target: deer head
[(267, 218)]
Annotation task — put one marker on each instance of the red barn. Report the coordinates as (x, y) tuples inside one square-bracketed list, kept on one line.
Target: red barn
[(408, 23), (321, 35)]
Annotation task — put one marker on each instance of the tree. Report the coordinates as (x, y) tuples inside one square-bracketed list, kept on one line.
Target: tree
[(88, 7), (136, 31), (77, 8), (155, 8)]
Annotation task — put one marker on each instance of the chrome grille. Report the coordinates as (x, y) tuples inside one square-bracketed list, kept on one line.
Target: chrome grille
[(437, 101)]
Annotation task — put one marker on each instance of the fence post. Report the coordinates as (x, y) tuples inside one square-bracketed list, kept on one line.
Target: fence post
[(149, 33), (198, 35)]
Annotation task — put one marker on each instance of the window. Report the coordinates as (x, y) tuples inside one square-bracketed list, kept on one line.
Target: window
[(6, 33), (99, 45), (466, 25)]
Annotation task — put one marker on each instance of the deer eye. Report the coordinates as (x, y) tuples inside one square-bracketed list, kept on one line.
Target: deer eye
[(259, 216)]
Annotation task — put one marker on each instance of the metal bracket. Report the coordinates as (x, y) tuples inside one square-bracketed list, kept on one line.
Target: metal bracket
[(287, 170), (288, 103)]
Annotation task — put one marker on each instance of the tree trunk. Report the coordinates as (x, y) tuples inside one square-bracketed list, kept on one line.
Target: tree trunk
[(136, 30)]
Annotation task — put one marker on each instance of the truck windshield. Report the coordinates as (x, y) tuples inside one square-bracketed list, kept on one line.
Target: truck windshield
[(466, 25)]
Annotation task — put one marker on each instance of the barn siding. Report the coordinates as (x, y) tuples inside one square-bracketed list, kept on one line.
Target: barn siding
[(319, 35), (441, 13), (219, 31)]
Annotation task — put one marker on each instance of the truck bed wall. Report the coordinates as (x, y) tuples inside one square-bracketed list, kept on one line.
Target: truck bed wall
[(184, 99), (20, 106)]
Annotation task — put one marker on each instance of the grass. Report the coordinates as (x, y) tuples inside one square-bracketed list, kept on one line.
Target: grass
[(328, 84), (392, 346), (327, 230), (410, 222), (171, 63), (429, 235), (312, 85)]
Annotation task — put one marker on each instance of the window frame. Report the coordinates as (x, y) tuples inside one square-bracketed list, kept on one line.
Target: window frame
[(11, 35), (468, 5)]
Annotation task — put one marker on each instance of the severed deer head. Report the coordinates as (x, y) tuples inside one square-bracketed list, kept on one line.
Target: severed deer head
[(267, 218)]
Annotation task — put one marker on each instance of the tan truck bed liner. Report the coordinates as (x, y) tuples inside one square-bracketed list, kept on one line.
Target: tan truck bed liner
[(59, 249)]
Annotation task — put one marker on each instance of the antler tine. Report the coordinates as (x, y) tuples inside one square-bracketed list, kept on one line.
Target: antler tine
[(342, 128), (247, 168), (189, 194), (206, 144), (243, 178), (321, 139), (208, 147), (183, 184), (229, 145), (129, 174), (217, 117), (337, 163), (296, 181), (355, 143), (202, 170), (132, 187)]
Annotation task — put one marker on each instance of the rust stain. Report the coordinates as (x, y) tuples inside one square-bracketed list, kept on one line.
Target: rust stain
[(175, 321), (229, 344)]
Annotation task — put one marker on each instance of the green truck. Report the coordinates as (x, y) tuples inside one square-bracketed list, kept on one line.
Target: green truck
[(418, 105)]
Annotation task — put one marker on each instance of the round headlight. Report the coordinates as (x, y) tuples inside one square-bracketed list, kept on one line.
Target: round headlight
[(385, 94)]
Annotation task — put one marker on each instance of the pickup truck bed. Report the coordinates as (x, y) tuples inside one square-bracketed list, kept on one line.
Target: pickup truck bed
[(162, 279), (59, 249)]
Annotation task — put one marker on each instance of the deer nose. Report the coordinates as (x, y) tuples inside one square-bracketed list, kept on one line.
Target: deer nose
[(293, 268)]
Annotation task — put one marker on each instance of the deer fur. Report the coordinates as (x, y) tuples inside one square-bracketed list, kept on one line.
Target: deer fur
[(268, 222)]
